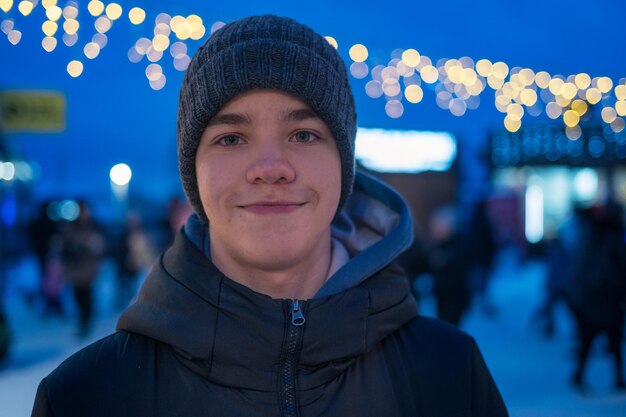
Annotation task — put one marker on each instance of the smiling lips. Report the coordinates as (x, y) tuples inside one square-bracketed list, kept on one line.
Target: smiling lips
[(274, 207)]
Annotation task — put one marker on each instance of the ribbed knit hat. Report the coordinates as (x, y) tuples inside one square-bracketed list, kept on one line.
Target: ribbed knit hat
[(264, 52)]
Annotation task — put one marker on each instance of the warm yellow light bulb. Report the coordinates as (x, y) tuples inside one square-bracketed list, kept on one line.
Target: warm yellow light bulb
[(113, 11), (483, 67), (608, 115), (514, 111), (358, 53), (160, 43), (583, 81), (571, 118), (411, 57), (555, 85), (414, 93), (569, 90), (177, 23), (91, 50), (542, 79), (605, 84), (75, 68), (528, 97), (495, 82), (49, 43), (71, 26), (197, 32), (620, 108), (332, 41), (6, 5), (500, 70), (579, 106), (95, 7), (593, 96), (526, 76), (136, 15), (455, 73), (620, 92), (429, 74), (25, 7), (54, 13), (194, 19), (512, 125), (49, 27)]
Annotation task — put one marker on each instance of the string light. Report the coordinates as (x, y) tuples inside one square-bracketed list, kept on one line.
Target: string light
[(458, 84)]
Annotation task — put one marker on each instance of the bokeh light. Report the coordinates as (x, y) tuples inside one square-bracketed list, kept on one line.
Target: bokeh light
[(75, 68), (136, 15), (95, 7), (358, 53), (113, 11), (120, 174)]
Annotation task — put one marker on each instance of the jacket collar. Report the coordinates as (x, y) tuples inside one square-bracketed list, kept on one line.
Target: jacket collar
[(232, 335)]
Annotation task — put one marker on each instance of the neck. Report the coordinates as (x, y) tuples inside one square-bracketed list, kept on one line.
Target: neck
[(296, 278)]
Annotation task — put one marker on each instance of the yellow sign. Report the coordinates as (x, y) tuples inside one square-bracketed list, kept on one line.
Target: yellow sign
[(32, 111)]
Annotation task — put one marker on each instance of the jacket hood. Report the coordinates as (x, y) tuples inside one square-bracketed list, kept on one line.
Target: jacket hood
[(232, 335)]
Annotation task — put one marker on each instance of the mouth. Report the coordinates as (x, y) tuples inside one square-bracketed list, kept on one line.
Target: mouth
[(272, 207)]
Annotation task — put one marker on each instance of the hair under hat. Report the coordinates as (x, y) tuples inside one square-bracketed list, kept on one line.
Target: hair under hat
[(264, 52)]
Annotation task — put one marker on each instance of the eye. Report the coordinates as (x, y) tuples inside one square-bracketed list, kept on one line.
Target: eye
[(305, 136), (230, 140)]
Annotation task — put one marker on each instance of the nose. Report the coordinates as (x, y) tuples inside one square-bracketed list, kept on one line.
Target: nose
[(271, 166)]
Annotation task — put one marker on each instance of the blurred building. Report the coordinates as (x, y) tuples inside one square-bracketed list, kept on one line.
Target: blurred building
[(547, 168)]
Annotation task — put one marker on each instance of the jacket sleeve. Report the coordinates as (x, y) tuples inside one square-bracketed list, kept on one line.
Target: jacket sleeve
[(42, 407), (486, 399)]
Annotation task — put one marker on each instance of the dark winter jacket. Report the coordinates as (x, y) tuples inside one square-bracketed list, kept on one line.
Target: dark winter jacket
[(199, 344)]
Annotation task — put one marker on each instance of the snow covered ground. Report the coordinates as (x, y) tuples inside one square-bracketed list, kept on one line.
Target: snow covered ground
[(532, 372)]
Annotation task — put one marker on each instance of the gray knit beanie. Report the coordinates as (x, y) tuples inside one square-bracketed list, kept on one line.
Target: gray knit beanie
[(264, 52)]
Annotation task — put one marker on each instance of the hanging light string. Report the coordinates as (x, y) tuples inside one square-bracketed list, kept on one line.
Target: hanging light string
[(458, 85)]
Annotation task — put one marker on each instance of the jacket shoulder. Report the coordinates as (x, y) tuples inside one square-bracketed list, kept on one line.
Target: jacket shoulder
[(97, 377), (439, 341), (448, 367)]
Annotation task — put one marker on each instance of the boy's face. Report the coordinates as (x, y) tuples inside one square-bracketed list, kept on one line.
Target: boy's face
[(269, 178)]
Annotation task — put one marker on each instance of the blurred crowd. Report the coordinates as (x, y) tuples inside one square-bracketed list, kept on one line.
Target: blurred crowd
[(586, 272), (70, 254)]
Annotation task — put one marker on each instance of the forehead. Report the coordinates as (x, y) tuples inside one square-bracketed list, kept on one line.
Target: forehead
[(267, 101)]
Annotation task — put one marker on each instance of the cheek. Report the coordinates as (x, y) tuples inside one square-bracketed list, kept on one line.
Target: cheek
[(328, 172), (209, 186)]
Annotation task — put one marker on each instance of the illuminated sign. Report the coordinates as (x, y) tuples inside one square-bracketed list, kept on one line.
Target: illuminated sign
[(32, 111), (405, 151)]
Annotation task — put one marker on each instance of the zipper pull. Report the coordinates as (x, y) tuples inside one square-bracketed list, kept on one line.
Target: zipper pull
[(297, 318)]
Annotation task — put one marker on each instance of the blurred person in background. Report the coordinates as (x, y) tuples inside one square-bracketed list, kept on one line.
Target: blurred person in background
[(82, 248), (558, 272), (261, 307), (43, 233), (482, 250), (448, 264), (597, 289), (134, 254), (178, 211), (5, 332)]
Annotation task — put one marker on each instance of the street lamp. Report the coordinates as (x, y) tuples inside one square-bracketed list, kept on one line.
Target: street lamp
[(120, 176)]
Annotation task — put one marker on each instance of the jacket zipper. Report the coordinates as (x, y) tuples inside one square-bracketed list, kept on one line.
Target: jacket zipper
[(288, 366)]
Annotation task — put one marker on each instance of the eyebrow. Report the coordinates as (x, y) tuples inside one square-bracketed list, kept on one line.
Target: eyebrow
[(234, 119), (299, 115), (230, 119)]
